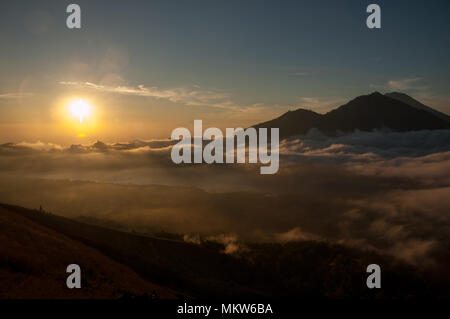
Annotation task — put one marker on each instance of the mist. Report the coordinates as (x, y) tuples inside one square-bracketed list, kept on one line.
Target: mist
[(382, 191)]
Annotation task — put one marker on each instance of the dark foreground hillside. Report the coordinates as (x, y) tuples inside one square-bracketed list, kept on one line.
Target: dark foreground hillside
[(34, 257), (36, 248)]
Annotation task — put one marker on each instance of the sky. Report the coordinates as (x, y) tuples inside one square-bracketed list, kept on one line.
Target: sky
[(148, 67)]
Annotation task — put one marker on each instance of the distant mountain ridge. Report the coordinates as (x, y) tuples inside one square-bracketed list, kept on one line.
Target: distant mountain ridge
[(393, 111)]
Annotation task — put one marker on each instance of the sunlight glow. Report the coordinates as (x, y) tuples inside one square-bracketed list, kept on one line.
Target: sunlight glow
[(80, 109)]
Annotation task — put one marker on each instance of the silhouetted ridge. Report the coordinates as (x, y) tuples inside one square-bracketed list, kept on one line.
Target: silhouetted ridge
[(366, 113), (414, 103)]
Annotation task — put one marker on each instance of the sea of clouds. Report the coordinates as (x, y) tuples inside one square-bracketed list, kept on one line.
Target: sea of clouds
[(380, 190)]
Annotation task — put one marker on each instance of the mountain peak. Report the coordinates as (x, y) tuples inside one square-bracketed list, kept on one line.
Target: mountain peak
[(375, 111)]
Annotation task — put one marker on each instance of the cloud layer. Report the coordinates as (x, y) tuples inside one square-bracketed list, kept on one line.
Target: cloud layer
[(377, 190)]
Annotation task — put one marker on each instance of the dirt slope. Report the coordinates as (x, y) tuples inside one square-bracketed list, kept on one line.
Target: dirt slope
[(33, 261)]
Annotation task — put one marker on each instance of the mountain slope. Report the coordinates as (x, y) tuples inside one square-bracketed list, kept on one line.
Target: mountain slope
[(414, 103), (365, 113), (202, 271), (39, 245), (33, 261)]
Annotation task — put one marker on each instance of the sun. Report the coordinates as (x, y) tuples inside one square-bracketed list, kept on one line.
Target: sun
[(80, 109)]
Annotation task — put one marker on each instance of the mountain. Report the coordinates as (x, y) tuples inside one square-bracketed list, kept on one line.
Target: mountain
[(414, 103), (37, 246), (366, 113), (34, 257)]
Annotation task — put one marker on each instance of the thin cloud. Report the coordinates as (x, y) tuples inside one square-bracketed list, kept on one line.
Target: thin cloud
[(188, 96), (14, 95), (193, 96), (405, 84)]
